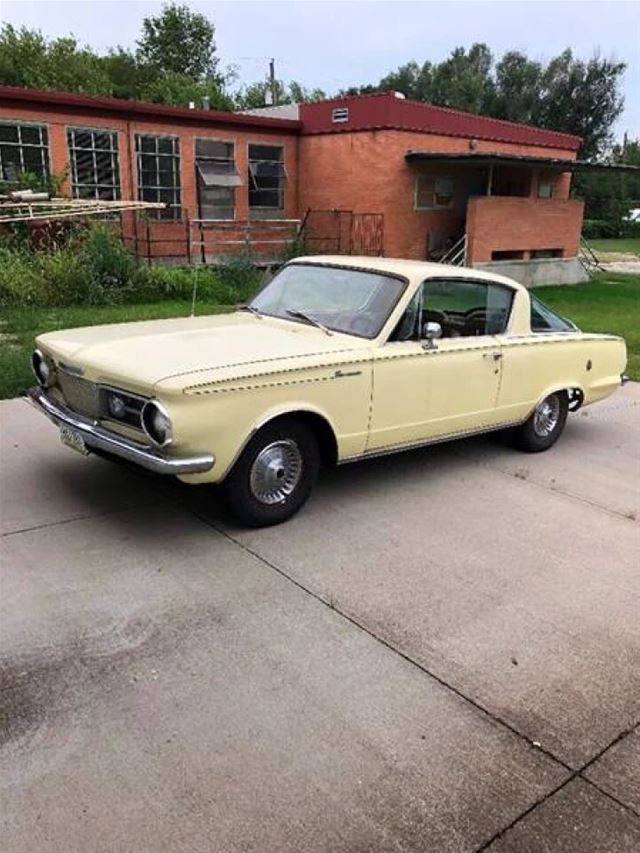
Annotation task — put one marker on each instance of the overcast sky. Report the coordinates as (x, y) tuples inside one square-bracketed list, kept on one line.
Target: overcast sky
[(337, 44)]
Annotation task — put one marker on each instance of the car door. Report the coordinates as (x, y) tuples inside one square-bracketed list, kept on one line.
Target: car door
[(422, 392)]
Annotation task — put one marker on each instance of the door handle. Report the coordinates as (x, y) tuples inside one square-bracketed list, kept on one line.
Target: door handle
[(494, 356)]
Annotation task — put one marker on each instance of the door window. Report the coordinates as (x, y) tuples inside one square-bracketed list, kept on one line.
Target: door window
[(466, 308), (463, 308)]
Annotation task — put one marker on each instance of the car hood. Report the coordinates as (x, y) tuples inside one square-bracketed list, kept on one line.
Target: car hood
[(140, 355)]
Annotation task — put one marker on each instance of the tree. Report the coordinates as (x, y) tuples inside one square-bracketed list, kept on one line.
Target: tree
[(566, 94), (518, 83), (28, 59), (464, 80), (582, 98), (180, 90), (175, 62), (609, 197), (179, 41), (128, 78), (257, 95)]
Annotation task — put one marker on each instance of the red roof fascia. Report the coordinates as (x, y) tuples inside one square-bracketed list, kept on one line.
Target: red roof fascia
[(141, 109), (384, 110)]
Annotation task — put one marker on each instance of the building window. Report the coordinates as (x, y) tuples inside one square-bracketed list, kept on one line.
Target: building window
[(340, 114), (158, 160), (267, 176), (434, 193), (94, 163), (217, 178), (24, 148), (545, 188)]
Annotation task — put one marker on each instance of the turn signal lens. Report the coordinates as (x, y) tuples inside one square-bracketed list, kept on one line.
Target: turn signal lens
[(116, 406)]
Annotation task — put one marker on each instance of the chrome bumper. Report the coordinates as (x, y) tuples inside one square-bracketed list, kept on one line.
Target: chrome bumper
[(98, 438)]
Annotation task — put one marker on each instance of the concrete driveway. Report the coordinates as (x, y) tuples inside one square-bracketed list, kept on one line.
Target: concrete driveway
[(441, 653)]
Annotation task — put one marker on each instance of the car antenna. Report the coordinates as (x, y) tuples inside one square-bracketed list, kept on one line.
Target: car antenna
[(195, 291)]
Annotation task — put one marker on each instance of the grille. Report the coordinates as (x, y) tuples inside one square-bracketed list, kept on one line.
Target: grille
[(81, 396)]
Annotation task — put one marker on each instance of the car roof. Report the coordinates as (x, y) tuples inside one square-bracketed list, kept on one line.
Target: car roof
[(412, 270)]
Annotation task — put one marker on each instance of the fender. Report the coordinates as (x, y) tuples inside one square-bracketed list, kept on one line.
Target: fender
[(574, 391), (278, 412)]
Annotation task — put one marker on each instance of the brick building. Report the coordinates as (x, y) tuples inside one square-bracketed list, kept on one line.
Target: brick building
[(375, 174)]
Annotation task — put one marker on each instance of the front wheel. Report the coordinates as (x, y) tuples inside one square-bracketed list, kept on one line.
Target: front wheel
[(275, 473), (545, 425)]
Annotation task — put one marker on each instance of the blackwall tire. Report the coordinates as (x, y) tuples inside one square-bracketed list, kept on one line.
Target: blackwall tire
[(544, 427), (274, 475)]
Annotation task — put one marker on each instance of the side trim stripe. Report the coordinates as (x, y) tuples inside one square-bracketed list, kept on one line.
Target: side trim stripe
[(439, 439)]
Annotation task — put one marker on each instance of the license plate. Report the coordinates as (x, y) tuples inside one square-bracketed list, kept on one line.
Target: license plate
[(73, 440)]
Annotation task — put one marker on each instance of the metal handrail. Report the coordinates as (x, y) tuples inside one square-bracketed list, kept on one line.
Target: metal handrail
[(457, 254)]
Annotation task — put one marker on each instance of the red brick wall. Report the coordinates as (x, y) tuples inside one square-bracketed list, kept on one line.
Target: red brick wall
[(522, 224), (367, 172)]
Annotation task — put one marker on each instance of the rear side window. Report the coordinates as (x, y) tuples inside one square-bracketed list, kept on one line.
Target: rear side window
[(543, 319)]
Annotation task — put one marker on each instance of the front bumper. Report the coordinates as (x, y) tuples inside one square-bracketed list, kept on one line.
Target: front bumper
[(98, 438)]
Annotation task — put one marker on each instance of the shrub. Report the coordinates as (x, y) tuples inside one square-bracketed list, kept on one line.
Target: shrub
[(593, 229), (90, 266), (20, 282), (108, 267)]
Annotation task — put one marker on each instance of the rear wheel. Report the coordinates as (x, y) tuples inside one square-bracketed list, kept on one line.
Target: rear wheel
[(275, 474), (545, 425)]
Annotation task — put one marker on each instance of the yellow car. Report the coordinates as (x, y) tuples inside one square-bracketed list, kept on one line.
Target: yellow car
[(336, 359)]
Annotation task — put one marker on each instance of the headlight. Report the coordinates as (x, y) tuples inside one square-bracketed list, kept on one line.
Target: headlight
[(157, 423), (116, 405), (42, 368)]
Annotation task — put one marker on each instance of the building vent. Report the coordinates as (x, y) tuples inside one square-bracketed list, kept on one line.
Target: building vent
[(340, 114)]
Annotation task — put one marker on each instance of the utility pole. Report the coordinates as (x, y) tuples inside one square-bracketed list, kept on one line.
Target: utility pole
[(272, 82)]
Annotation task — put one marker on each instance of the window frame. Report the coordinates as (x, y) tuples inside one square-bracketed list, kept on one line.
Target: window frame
[(231, 160), (404, 281), (550, 182), (569, 331), (45, 148), (175, 209), (434, 179), (281, 190), (115, 161)]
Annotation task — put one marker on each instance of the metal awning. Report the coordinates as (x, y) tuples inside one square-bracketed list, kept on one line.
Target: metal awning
[(549, 163), (212, 175)]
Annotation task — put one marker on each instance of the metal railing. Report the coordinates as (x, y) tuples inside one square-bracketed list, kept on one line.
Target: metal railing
[(588, 258), (457, 255)]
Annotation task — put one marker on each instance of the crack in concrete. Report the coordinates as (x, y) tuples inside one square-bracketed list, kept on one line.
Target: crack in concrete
[(353, 621), (573, 773), (557, 490), (576, 774), (49, 524)]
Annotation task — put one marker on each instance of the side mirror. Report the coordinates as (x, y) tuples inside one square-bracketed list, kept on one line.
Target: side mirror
[(431, 332)]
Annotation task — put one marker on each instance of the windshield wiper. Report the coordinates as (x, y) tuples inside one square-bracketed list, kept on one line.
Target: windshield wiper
[(250, 308), (302, 315)]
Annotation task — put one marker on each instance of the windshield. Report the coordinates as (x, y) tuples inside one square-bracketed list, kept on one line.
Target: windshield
[(543, 319), (344, 300)]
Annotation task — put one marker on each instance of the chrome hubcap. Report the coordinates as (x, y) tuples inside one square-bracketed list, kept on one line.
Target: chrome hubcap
[(546, 415), (276, 471)]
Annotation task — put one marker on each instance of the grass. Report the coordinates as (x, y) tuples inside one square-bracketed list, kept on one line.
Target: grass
[(621, 246), (610, 302), (19, 327)]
